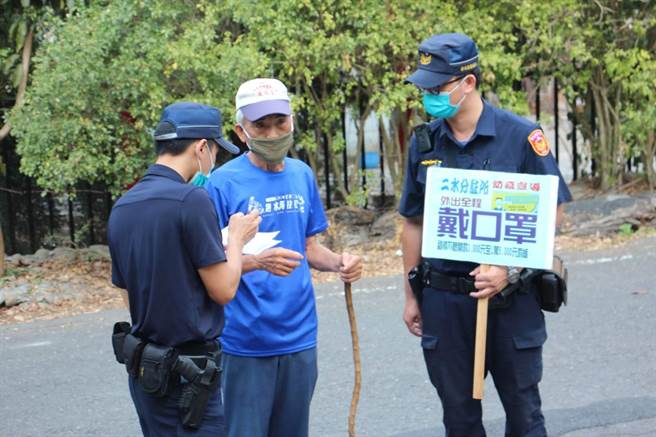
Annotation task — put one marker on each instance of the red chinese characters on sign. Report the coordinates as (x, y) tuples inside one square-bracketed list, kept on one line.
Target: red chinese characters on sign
[(513, 185)]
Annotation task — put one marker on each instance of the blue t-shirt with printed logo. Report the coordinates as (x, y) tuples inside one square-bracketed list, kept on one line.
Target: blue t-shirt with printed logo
[(271, 315)]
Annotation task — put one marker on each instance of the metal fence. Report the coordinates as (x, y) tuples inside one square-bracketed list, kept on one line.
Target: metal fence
[(32, 218)]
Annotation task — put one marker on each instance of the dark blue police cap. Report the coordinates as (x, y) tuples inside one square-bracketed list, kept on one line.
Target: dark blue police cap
[(442, 57), (193, 120)]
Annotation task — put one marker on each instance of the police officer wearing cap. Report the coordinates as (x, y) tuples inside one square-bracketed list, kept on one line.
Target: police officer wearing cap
[(167, 253), (469, 133)]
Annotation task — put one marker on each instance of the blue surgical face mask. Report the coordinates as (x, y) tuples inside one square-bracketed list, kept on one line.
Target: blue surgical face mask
[(439, 105), (200, 178)]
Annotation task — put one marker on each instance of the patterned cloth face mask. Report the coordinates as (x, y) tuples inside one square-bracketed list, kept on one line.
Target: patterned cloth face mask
[(271, 150)]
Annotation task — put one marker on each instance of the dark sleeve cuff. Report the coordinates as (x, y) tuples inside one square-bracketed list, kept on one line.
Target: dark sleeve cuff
[(209, 261), (317, 230)]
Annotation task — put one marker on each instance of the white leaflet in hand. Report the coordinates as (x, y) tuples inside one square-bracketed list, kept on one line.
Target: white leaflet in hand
[(260, 242)]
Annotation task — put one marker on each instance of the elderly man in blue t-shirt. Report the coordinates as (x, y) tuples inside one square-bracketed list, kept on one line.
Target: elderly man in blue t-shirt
[(270, 336)]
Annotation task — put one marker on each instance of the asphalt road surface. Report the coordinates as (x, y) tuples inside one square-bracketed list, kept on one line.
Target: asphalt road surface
[(59, 377)]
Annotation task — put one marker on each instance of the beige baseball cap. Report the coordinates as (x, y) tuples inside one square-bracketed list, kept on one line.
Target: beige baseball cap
[(260, 97)]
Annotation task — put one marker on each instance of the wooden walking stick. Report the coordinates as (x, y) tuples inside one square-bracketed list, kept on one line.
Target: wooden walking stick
[(479, 345), (356, 358)]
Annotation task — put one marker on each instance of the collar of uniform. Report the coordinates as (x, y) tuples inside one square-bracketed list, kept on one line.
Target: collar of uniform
[(485, 126), (164, 171)]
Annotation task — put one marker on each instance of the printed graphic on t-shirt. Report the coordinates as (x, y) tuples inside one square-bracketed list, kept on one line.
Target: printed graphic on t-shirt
[(282, 204)]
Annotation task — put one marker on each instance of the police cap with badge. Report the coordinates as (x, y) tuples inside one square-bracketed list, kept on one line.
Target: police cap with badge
[(440, 59), (192, 120)]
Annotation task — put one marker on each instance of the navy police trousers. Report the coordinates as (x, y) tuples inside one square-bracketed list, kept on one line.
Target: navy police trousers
[(513, 357), (160, 417)]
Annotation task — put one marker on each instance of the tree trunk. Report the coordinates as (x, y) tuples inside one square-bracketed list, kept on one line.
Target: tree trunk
[(336, 168), (392, 153), (601, 139), (648, 155), (313, 157), (402, 122), (620, 157), (355, 177), (608, 138), (22, 85), (585, 127)]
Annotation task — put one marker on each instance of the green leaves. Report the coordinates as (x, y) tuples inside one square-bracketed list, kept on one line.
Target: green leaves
[(103, 73), (100, 86)]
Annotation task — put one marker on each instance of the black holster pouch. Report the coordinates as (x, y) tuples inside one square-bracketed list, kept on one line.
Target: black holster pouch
[(416, 280), (552, 287), (156, 369), (121, 329), (132, 348), (196, 394)]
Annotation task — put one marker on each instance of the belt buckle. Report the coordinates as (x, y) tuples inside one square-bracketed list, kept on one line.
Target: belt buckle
[(426, 277)]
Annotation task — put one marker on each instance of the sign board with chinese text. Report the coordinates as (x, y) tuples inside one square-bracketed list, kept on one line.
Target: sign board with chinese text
[(490, 217)]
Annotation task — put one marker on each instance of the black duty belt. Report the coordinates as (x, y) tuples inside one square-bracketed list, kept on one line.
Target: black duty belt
[(201, 348), (200, 352), (159, 368), (454, 284)]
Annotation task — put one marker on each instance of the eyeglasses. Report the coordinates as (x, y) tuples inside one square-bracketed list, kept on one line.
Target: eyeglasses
[(436, 90)]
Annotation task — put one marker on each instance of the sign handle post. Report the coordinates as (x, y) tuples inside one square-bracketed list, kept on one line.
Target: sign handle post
[(479, 346)]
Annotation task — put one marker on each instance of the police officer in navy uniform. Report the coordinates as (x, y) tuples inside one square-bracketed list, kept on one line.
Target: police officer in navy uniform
[(469, 133), (167, 253)]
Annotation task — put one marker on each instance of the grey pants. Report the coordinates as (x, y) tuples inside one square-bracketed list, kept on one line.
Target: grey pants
[(268, 396)]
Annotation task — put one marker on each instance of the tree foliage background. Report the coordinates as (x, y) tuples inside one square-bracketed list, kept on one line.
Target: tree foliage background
[(103, 70)]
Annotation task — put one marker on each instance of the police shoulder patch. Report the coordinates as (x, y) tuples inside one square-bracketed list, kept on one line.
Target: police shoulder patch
[(538, 142)]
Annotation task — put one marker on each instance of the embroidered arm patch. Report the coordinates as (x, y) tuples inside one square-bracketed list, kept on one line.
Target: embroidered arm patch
[(538, 142)]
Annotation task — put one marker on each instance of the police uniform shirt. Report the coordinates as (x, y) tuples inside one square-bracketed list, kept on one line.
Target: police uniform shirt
[(160, 233), (502, 141)]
